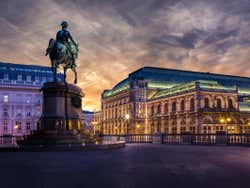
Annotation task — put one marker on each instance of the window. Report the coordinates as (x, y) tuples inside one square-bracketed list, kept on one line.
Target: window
[(28, 125), (5, 125), (182, 105), (5, 112), (230, 104), (19, 77), (28, 114), (28, 78), (174, 107), (166, 108), (18, 125), (159, 109), (6, 76), (43, 79), (115, 112), (19, 112), (192, 105), (218, 102), (5, 98), (37, 78), (152, 110), (206, 101)]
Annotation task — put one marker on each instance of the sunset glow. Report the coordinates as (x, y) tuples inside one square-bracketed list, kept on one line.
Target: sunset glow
[(118, 37)]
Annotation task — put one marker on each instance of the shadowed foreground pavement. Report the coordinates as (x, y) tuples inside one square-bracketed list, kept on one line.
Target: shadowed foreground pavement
[(137, 165)]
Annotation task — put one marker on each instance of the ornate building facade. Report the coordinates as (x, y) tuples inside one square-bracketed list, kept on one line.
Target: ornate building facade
[(20, 97), (157, 100)]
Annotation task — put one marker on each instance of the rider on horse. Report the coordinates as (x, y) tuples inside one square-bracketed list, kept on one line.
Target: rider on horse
[(63, 51), (63, 36)]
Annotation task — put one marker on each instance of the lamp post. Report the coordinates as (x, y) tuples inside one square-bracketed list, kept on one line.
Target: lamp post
[(127, 117)]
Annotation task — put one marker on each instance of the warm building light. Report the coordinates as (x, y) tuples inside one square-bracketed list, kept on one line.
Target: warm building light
[(127, 117), (228, 119), (5, 98), (94, 123), (222, 120), (138, 126), (16, 127)]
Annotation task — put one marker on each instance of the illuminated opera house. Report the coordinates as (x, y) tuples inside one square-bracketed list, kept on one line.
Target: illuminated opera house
[(157, 100)]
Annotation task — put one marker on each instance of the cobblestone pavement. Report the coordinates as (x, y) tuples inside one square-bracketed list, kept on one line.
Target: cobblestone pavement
[(137, 165)]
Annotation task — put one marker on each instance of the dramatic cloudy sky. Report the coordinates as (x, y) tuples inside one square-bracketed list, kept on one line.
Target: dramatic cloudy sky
[(120, 36)]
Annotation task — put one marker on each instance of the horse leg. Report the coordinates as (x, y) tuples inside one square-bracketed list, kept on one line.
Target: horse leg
[(74, 70), (64, 73), (55, 71)]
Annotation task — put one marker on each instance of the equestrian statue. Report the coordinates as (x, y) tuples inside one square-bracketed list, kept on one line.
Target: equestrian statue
[(63, 51)]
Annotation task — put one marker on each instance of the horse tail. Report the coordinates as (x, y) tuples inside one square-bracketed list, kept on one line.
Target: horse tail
[(50, 46)]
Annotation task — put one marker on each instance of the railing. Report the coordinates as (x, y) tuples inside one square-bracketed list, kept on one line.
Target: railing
[(181, 139), (204, 138), (192, 139), (7, 141), (238, 139), (139, 138)]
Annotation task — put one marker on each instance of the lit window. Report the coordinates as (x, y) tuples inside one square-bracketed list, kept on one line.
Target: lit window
[(18, 125), (5, 98)]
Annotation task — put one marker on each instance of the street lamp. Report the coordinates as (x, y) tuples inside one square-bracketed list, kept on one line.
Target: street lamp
[(127, 117)]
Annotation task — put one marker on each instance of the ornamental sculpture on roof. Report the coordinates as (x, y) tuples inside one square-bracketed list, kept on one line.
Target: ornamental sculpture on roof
[(63, 51)]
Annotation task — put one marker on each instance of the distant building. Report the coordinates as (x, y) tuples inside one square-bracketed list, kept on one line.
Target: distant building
[(158, 100), (97, 122), (87, 119), (20, 97)]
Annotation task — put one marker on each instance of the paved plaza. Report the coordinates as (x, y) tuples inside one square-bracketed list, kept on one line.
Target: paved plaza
[(137, 165)]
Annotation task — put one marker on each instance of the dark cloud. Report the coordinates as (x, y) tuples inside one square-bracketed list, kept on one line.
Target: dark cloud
[(119, 36)]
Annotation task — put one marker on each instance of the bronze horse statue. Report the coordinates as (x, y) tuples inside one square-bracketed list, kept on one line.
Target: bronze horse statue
[(60, 54)]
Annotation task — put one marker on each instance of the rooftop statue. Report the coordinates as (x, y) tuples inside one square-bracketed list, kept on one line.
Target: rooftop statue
[(63, 51)]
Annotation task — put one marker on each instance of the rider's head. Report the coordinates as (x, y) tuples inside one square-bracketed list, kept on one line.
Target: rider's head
[(64, 24)]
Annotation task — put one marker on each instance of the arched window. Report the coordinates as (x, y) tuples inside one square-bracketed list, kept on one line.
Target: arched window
[(166, 108), (152, 110), (158, 126), (159, 109), (206, 103), (174, 107), (230, 104), (192, 105), (218, 102), (182, 105)]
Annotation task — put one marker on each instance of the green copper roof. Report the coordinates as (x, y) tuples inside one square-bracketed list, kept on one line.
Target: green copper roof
[(167, 78), (202, 84), (174, 90), (121, 86)]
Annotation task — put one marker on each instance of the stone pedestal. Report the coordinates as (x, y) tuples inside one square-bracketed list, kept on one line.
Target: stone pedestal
[(60, 120), (62, 106)]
